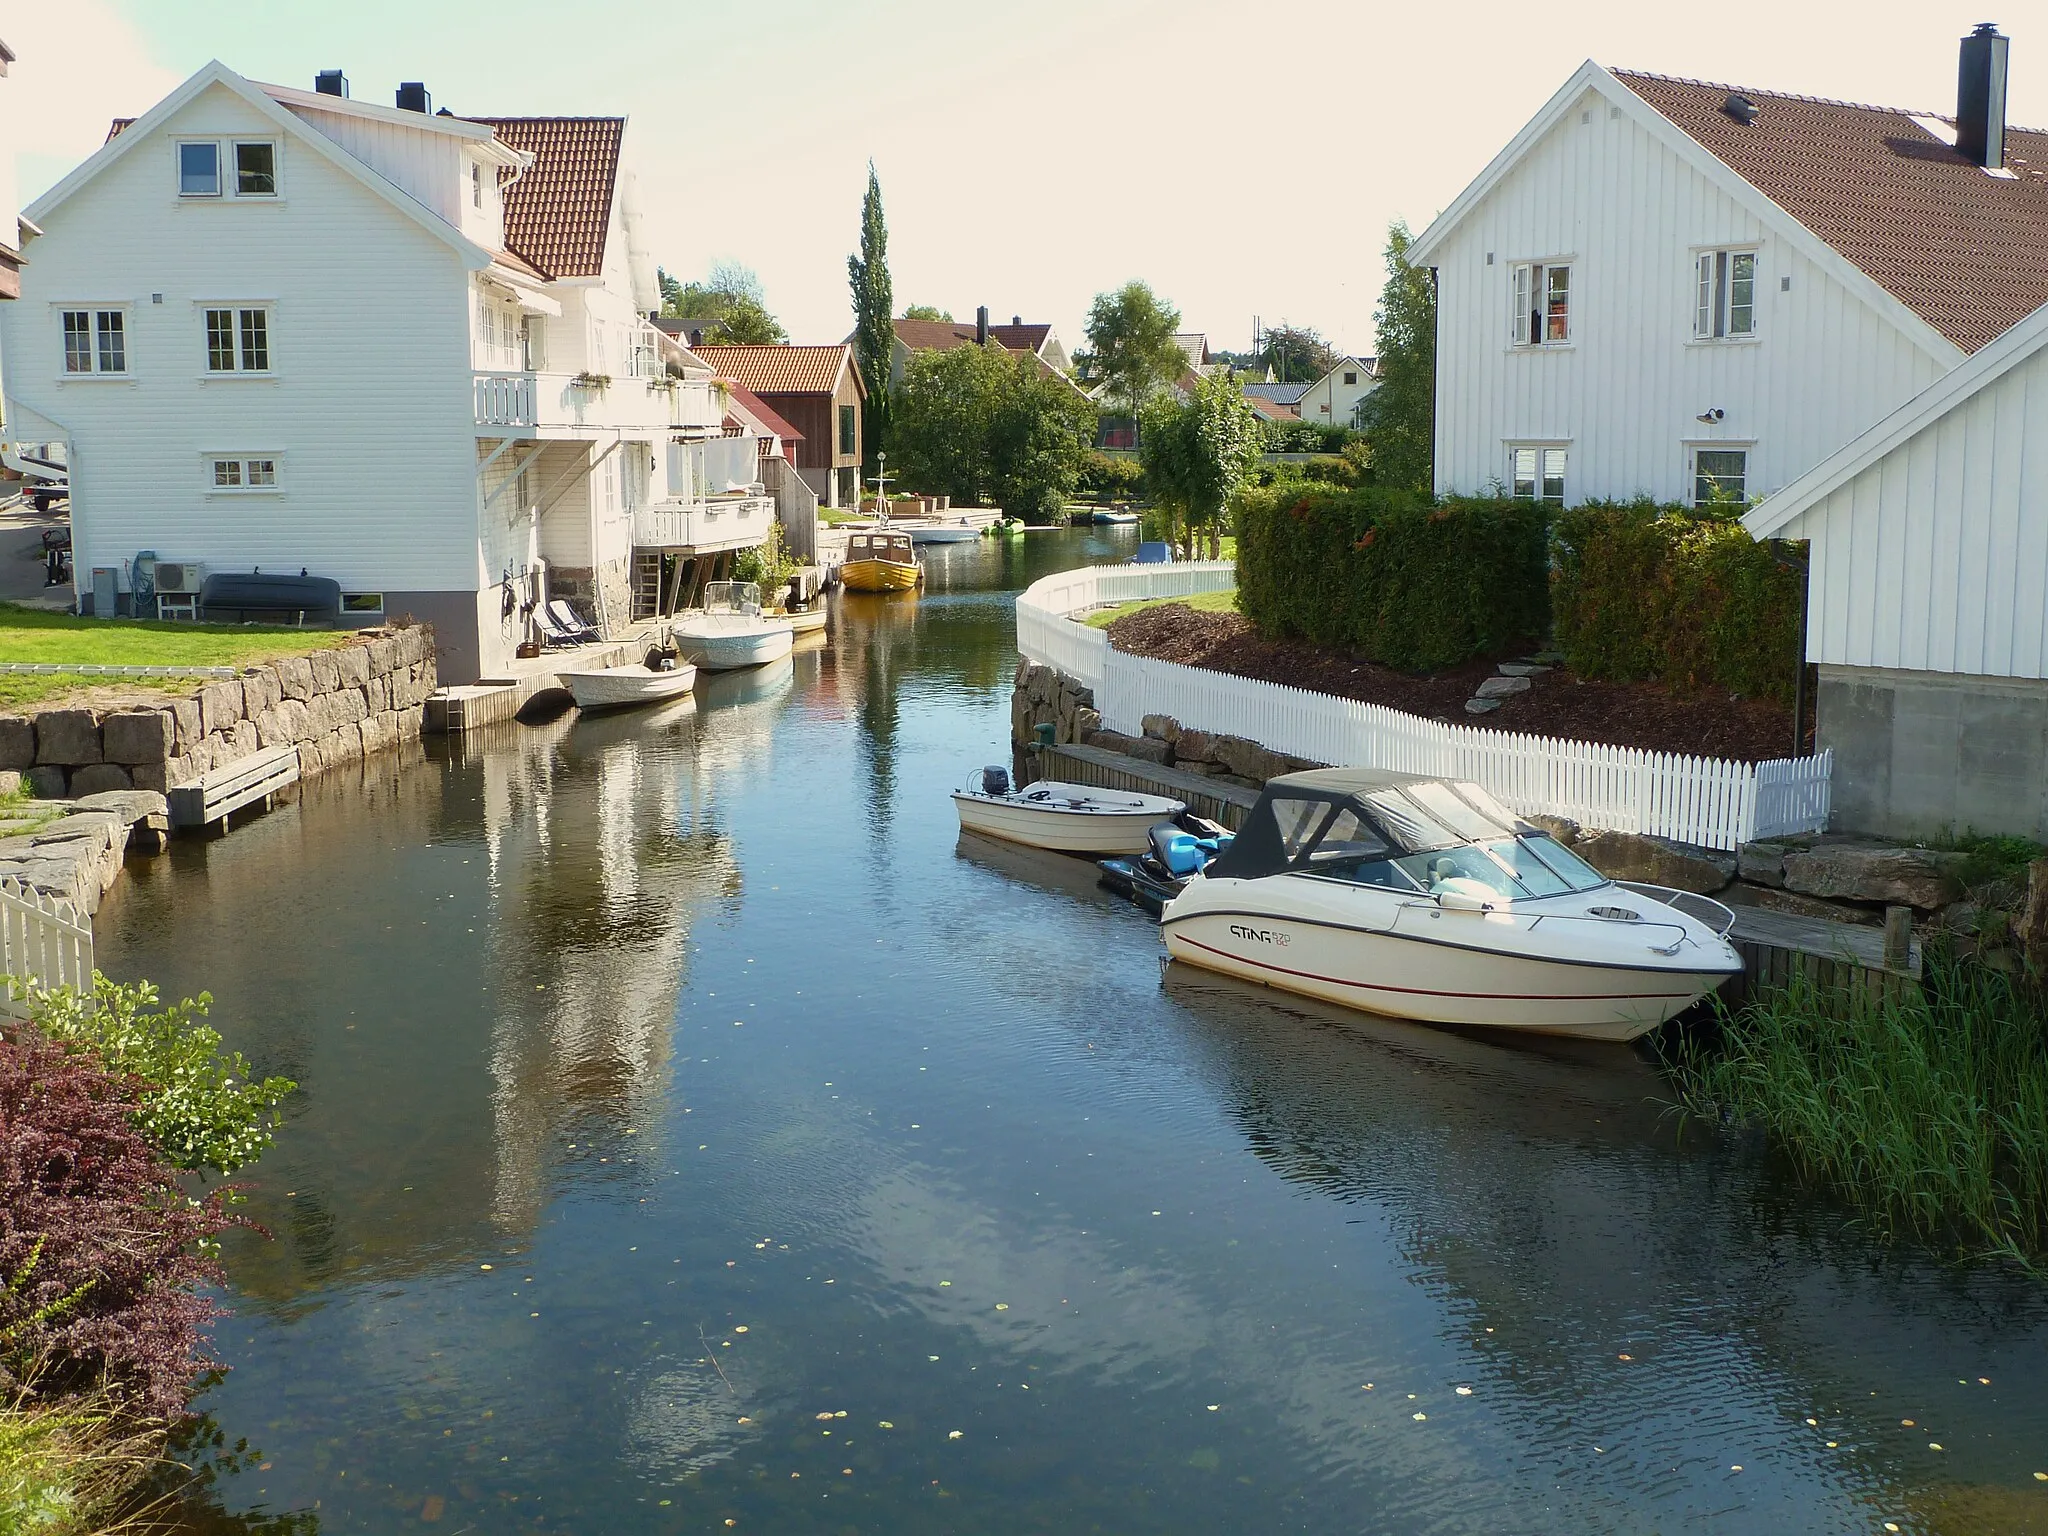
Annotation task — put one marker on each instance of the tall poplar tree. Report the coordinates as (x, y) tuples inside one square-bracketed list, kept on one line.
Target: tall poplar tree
[(1399, 417), (874, 301)]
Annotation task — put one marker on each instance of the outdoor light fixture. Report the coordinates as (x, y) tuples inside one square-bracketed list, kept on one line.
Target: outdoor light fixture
[(1711, 415)]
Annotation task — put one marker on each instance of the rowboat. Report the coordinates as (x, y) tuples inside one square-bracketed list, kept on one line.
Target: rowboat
[(805, 621), (1429, 900), (1068, 818), (622, 687), (731, 631), (881, 561)]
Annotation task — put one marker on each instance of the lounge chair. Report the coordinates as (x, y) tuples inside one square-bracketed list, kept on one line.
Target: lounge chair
[(566, 620), (552, 636)]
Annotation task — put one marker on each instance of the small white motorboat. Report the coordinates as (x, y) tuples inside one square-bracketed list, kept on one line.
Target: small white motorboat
[(1067, 818), (941, 533), (731, 631), (805, 621), (621, 687), (1430, 900), (1114, 519)]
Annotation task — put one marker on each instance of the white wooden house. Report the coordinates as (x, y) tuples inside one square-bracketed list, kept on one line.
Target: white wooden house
[(285, 330), (1928, 600), (1668, 288), (1334, 399)]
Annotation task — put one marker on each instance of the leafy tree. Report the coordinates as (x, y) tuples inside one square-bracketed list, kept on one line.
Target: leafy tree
[(1039, 440), (1297, 354), (982, 423), (1399, 417), (197, 1105), (1131, 347), (732, 295), (928, 312), (874, 300), (1197, 453)]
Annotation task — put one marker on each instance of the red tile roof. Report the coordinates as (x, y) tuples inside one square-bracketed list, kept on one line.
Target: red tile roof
[(1273, 410), (1020, 337), (751, 403), (780, 370), (1963, 249), (557, 214), (934, 335)]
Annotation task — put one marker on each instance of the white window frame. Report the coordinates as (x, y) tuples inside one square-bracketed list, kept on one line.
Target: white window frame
[(1716, 316), (96, 333), (362, 604), (238, 311), (1534, 282), (1542, 450), (476, 185), (1692, 464), (227, 170), (245, 462)]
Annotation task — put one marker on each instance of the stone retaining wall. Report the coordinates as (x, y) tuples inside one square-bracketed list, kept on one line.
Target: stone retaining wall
[(335, 706)]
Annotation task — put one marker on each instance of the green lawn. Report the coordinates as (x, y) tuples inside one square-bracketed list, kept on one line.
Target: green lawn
[(40, 636), (1201, 602)]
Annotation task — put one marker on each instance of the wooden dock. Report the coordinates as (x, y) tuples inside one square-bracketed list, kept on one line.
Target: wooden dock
[(1775, 946), (466, 706), (1227, 803)]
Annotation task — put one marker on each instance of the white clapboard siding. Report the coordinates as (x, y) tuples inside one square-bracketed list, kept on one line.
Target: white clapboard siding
[(1708, 802), (44, 940), (1605, 194)]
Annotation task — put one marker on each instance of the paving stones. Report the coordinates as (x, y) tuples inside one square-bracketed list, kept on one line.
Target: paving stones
[(1502, 687), (1481, 706)]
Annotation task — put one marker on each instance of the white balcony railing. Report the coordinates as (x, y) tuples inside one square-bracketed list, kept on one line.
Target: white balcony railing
[(721, 523), (505, 400), (533, 401)]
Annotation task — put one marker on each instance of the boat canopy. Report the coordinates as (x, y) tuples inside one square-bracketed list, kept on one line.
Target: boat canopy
[(880, 546), (1359, 814)]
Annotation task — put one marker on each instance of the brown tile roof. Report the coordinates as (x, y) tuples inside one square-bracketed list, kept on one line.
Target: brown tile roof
[(1272, 410), (782, 370), (1020, 338), (556, 215), (1964, 250), (518, 263), (935, 335), (752, 404)]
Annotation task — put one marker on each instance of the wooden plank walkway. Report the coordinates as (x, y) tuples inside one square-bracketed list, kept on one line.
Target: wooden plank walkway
[(1227, 803)]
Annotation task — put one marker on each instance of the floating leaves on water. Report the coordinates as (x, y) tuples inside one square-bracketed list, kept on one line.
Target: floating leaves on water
[(732, 1522), (1907, 1422), (1624, 1357), (742, 1328), (483, 1266), (945, 1282), (1736, 1468), (931, 1357), (1983, 1381), (885, 1424), (1213, 1407), (1002, 1306), (825, 1417), (1891, 1525), (1933, 1446), (847, 1470), (953, 1434), (2041, 1477), (1420, 1417), (1814, 1422), (746, 1419), (840, 1414), (1833, 1443), (1464, 1391)]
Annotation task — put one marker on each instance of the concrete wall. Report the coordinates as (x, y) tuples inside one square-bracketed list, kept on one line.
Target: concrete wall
[(1925, 754)]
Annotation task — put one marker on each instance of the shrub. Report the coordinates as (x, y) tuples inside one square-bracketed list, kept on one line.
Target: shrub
[(1683, 596), (1105, 477), (100, 1247), (768, 564), (1306, 437), (196, 1106), (1392, 575)]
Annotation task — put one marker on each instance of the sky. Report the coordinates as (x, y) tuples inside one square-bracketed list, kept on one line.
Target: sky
[(1244, 160)]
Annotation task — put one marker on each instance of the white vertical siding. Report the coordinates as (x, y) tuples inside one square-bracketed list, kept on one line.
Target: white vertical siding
[(1935, 557), (426, 165), (1626, 394), (369, 410)]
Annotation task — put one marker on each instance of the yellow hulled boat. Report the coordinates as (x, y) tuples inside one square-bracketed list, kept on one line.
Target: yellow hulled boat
[(880, 561)]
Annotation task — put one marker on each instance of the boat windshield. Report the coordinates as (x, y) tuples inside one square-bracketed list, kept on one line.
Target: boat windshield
[(879, 546), (1518, 868)]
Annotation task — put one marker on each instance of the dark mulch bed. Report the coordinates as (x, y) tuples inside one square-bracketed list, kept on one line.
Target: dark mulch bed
[(1560, 703)]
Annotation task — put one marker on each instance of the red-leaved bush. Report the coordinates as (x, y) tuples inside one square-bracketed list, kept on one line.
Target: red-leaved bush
[(101, 1248)]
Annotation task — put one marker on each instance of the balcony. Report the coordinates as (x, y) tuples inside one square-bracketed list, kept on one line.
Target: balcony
[(571, 405), (723, 522)]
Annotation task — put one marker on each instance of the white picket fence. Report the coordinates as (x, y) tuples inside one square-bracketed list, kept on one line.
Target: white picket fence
[(1708, 802), (43, 939)]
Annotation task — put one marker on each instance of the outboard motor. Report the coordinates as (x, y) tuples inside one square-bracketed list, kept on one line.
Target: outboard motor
[(995, 780)]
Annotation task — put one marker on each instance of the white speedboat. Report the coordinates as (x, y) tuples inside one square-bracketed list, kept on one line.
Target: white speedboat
[(621, 687), (1067, 818), (731, 631), (942, 533), (805, 621), (1429, 900)]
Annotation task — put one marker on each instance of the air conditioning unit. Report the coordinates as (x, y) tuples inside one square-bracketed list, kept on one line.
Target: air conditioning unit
[(179, 578)]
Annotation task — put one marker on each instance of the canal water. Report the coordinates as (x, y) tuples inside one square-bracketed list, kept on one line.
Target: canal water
[(695, 1133)]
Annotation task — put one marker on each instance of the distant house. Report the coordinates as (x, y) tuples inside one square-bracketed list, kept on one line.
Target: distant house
[(282, 329), (1928, 600), (817, 390), (1670, 288), (1287, 396), (945, 335), (1333, 400)]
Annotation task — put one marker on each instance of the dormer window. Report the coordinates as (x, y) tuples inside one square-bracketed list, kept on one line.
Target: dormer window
[(199, 170)]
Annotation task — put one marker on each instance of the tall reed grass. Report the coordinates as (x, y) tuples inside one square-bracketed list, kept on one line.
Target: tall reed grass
[(71, 1468), (1928, 1113)]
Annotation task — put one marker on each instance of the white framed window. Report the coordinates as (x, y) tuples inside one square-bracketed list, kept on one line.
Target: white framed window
[(1536, 471), (362, 602), (95, 341), (237, 339), (1540, 296), (199, 169), (1724, 295), (242, 473), (236, 168), (1720, 475)]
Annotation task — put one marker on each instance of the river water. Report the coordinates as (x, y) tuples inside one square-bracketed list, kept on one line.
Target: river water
[(671, 1082)]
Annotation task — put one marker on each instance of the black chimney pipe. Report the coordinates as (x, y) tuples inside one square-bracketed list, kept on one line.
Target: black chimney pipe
[(981, 326), (331, 82), (1980, 97), (413, 97)]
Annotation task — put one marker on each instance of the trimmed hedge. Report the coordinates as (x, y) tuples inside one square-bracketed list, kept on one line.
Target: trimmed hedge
[(1687, 597), (1393, 576)]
